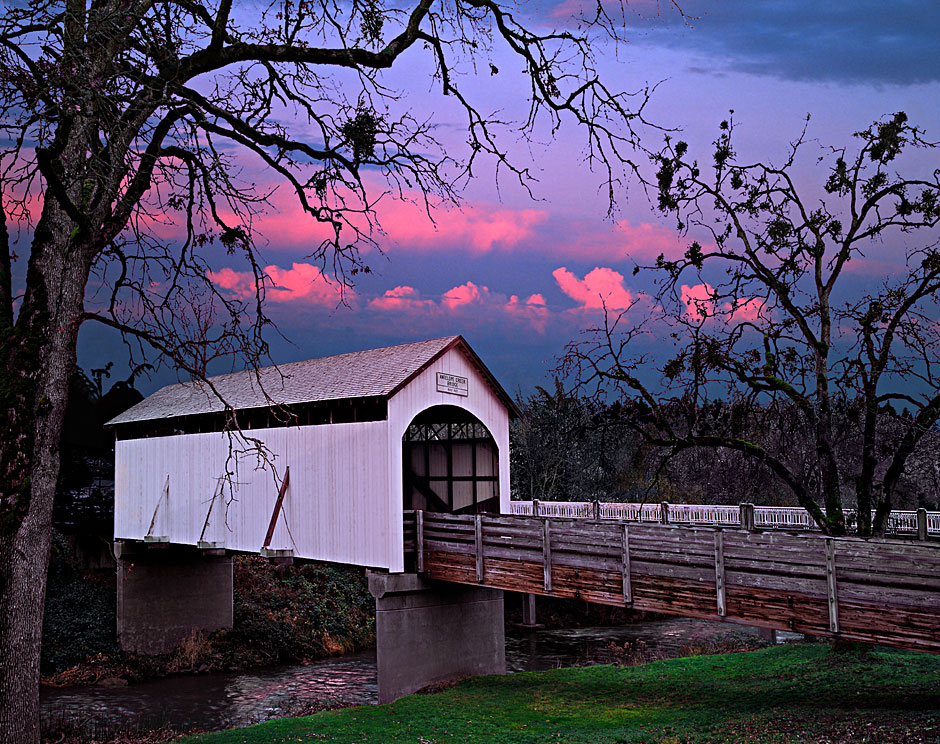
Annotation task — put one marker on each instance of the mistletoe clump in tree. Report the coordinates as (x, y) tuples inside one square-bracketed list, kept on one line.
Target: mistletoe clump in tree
[(782, 354)]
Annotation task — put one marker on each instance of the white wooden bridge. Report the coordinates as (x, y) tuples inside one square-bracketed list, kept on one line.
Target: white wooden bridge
[(397, 459)]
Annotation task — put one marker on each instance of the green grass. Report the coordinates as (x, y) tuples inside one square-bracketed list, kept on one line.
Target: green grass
[(780, 695)]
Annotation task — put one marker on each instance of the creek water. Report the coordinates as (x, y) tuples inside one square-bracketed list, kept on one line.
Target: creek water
[(217, 701)]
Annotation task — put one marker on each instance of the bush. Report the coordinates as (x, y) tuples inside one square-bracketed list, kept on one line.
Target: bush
[(80, 615), (289, 614), (282, 614)]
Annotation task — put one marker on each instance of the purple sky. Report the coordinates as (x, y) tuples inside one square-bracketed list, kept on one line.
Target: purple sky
[(519, 278)]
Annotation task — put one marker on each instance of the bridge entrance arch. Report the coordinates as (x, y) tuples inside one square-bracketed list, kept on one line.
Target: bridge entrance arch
[(450, 463)]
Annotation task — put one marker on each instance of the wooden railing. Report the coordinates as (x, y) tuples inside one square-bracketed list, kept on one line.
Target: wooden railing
[(877, 591), (919, 522)]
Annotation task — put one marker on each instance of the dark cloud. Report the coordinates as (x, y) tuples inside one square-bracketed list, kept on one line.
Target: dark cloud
[(865, 41)]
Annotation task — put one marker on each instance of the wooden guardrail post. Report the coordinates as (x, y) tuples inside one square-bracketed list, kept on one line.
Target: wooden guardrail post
[(720, 572), (664, 513), (597, 511), (547, 555), (832, 586), (478, 541), (419, 527), (747, 516), (625, 565), (535, 507), (921, 524)]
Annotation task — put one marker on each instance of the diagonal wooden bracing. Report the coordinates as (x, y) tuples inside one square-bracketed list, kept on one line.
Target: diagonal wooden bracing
[(879, 591)]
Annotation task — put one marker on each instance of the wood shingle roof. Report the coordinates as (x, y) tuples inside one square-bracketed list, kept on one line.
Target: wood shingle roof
[(360, 374)]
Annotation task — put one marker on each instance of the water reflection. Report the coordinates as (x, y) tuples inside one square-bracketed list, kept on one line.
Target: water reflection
[(215, 701)]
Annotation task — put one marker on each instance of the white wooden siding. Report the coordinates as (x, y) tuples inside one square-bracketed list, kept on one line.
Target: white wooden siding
[(420, 394), (336, 506), (344, 501)]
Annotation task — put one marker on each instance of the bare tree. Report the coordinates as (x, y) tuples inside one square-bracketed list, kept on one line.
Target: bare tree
[(772, 334), (122, 116), (569, 448)]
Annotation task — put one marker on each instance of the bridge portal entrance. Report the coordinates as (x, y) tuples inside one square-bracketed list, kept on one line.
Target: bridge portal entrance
[(450, 463)]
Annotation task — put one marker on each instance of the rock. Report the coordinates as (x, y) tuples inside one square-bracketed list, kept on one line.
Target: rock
[(112, 682)]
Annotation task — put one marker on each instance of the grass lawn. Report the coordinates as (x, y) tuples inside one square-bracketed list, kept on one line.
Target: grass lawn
[(780, 695)]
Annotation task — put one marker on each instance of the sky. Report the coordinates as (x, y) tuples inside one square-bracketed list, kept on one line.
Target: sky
[(519, 277)]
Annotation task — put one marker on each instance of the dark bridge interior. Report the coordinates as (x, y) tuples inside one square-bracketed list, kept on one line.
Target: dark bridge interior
[(450, 463)]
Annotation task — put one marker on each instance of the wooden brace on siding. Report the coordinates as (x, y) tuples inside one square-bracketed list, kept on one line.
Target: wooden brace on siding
[(164, 496), (277, 508), (201, 542)]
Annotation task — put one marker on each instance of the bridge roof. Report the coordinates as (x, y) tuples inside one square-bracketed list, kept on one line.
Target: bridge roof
[(359, 374)]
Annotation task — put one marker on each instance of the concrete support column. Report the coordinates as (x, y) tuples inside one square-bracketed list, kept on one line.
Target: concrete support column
[(429, 632), (767, 634), (166, 592), (528, 610)]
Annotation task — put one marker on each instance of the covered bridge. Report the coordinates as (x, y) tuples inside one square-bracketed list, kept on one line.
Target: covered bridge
[(351, 441)]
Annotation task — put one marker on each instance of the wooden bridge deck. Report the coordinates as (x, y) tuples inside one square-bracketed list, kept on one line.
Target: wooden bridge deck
[(878, 591)]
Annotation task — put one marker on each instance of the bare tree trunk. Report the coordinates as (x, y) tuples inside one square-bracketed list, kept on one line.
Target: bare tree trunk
[(37, 361)]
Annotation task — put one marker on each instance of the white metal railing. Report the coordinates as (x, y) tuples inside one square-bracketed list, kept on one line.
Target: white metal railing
[(775, 517), (630, 512), (577, 509), (766, 517)]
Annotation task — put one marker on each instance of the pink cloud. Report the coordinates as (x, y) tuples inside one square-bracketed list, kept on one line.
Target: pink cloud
[(698, 301), (645, 241), (400, 298), (601, 287), (480, 227), (302, 283), (746, 311), (700, 305), (465, 294), (467, 302), (533, 309)]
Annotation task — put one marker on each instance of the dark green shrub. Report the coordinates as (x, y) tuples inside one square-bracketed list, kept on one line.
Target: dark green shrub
[(80, 615), (300, 613)]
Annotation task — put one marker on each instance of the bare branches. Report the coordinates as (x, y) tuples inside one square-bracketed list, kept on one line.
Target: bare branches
[(769, 324), (130, 115), (6, 276)]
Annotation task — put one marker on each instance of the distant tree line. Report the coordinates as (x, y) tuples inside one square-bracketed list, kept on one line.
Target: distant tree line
[(567, 447), (84, 500)]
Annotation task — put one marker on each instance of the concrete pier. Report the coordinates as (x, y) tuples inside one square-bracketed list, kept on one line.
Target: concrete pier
[(767, 634), (429, 632), (166, 592), (529, 619)]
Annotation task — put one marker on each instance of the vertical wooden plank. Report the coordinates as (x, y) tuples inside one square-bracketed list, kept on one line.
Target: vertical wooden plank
[(547, 554), (664, 513), (535, 507), (478, 539), (921, 524), (419, 524), (720, 572), (625, 553), (746, 510), (597, 511), (832, 586)]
